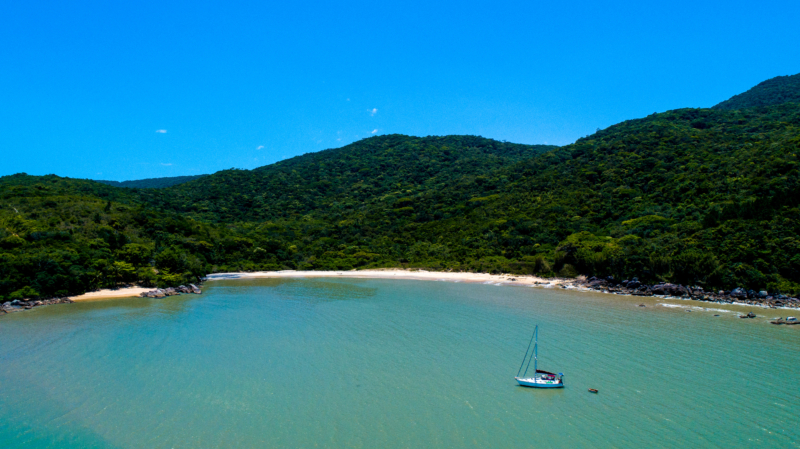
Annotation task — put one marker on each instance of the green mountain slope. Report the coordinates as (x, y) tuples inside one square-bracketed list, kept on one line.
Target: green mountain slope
[(693, 196), (774, 91), (152, 183), (61, 236), (65, 236), (384, 168)]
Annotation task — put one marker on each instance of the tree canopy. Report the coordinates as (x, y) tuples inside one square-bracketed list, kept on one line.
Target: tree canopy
[(774, 91)]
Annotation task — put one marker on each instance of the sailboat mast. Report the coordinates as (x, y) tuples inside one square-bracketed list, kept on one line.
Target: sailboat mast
[(533, 356), (528, 350), (536, 351)]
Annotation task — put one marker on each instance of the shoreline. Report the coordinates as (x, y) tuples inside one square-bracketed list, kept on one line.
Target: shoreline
[(124, 292), (578, 284), (396, 273)]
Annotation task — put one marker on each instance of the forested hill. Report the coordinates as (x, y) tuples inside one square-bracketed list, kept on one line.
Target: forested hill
[(778, 90), (152, 183), (383, 168), (692, 196)]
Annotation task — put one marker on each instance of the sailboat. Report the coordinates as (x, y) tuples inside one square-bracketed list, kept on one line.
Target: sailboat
[(540, 379)]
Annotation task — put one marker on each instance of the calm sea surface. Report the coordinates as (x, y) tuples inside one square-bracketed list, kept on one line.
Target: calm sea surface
[(394, 363)]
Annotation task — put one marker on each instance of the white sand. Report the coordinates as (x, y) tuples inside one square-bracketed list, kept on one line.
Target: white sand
[(109, 294), (391, 273), (398, 274)]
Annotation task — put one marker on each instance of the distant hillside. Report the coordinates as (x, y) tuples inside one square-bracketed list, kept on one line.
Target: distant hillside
[(778, 90), (62, 236), (383, 168), (152, 183)]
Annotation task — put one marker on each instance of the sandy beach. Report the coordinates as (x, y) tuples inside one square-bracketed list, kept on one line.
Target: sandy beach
[(110, 294), (420, 275), (393, 273)]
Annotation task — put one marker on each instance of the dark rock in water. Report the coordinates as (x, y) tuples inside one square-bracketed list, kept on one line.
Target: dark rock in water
[(739, 293), (634, 284), (642, 305)]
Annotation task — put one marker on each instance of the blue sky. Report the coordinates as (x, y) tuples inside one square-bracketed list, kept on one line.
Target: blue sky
[(88, 85)]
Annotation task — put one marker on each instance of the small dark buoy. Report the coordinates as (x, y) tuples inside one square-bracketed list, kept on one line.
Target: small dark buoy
[(642, 305), (592, 390), (716, 315)]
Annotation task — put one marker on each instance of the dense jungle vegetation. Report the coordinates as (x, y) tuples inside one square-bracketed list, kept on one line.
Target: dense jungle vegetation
[(778, 90), (339, 179), (152, 183), (696, 196)]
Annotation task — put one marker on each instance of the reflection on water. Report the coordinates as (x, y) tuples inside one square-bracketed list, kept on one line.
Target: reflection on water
[(393, 363)]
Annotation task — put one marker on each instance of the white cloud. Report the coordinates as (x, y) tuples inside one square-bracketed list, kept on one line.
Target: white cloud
[(260, 147), (161, 131), (166, 165), (374, 131), (373, 111)]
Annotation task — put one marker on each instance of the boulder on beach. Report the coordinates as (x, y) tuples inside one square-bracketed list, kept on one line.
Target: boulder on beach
[(669, 289), (739, 293)]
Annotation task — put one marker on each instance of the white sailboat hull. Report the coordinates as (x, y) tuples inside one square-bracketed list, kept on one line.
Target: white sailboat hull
[(536, 382)]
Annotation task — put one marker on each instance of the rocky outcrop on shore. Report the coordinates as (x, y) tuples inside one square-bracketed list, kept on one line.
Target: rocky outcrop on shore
[(737, 295), (20, 305), (171, 291)]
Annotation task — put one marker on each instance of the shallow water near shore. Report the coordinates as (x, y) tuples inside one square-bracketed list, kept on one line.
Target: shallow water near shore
[(394, 363)]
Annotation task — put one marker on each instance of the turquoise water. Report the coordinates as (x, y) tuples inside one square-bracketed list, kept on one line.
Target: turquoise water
[(388, 363)]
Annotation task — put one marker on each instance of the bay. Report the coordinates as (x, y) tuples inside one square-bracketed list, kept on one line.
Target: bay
[(394, 363)]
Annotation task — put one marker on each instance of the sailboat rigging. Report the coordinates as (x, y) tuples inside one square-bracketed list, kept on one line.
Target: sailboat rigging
[(541, 378)]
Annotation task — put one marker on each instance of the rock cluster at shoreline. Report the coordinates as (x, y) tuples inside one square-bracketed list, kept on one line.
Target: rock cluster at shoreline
[(737, 295), (20, 305), (171, 291)]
